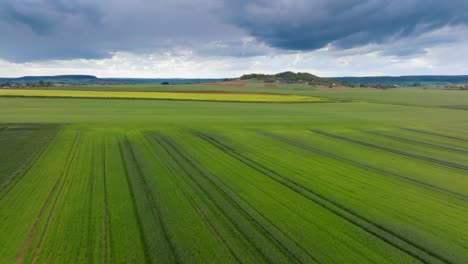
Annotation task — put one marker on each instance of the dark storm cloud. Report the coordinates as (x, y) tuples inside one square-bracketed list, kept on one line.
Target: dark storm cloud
[(309, 25), (47, 29), (36, 24), (53, 29), (74, 29)]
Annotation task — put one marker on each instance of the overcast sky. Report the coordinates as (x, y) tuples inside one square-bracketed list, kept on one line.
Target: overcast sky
[(227, 38)]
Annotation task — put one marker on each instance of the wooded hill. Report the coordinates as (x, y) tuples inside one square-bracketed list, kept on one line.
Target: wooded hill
[(291, 77)]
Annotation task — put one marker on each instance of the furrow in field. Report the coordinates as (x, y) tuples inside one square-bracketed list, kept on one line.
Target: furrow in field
[(294, 252), (396, 205), (395, 151), (107, 222), (211, 226), (190, 197), (126, 244), (441, 141), (54, 204), (44, 206), (305, 222), (432, 133), (410, 147), (143, 237), (91, 183), (375, 229), (153, 202), (97, 204), (227, 209), (57, 188), (304, 146), (421, 143)]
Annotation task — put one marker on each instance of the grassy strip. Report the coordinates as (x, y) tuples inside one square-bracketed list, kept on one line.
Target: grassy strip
[(283, 243), (435, 134), (347, 214), (421, 143), (395, 151), (379, 171)]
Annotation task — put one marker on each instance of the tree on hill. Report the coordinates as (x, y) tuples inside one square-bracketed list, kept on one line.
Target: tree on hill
[(291, 77)]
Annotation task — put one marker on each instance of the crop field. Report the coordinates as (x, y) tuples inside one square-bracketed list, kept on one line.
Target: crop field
[(192, 96), (87, 180), (406, 96)]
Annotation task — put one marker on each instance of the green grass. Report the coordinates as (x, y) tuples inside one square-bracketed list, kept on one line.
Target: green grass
[(376, 180), (20, 146)]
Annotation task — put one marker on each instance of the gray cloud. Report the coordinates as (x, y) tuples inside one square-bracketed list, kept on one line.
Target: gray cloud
[(55, 29), (33, 30), (309, 25)]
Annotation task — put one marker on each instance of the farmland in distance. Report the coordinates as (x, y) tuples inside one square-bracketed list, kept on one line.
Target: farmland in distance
[(369, 180)]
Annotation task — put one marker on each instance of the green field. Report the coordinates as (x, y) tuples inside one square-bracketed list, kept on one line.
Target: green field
[(368, 177)]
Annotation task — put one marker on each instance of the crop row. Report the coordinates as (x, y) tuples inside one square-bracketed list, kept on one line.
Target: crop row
[(237, 196), (396, 151), (368, 193), (365, 166), (348, 214)]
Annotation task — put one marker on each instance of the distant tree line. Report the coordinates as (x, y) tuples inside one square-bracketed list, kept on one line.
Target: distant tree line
[(27, 84), (463, 87), (291, 77)]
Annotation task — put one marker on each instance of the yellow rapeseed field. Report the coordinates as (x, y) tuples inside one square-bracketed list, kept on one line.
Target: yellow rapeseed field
[(231, 97)]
